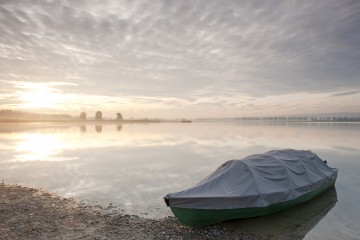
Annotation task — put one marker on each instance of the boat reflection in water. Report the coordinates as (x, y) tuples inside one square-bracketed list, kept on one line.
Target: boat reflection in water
[(293, 223)]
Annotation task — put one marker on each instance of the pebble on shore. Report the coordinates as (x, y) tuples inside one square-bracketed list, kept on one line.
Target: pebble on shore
[(28, 213)]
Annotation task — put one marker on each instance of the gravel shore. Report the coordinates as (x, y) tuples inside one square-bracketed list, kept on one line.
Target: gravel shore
[(28, 213)]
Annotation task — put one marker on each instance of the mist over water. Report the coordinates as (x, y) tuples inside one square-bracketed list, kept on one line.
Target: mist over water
[(134, 165)]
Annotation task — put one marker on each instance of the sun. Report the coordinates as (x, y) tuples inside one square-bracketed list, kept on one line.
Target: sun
[(39, 99), (38, 96)]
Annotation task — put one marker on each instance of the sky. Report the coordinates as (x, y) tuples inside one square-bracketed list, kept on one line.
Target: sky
[(187, 58)]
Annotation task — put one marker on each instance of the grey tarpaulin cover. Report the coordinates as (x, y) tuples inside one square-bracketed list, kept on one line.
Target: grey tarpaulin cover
[(257, 181)]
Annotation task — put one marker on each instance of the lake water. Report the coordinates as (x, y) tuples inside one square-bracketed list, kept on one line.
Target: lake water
[(134, 165)]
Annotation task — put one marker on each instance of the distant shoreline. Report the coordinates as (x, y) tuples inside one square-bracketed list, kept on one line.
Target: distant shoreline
[(112, 121), (78, 121)]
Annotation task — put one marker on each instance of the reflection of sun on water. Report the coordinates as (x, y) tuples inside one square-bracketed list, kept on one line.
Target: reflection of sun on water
[(40, 147)]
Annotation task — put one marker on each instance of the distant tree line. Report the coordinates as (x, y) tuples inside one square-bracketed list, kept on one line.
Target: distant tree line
[(284, 119), (20, 115), (99, 116)]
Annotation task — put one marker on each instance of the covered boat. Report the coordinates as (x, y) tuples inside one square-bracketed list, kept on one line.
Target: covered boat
[(256, 185)]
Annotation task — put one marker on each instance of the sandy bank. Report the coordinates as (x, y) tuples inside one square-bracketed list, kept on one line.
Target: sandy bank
[(28, 213)]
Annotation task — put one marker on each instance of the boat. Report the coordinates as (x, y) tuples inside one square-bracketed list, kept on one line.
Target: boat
[(185, 121), (256, 185), (294, 223)]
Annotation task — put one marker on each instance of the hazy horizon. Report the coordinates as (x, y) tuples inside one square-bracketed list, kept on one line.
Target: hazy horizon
[(173, 59)]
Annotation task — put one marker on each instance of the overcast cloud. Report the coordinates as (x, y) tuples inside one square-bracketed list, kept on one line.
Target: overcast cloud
[(224, 57)]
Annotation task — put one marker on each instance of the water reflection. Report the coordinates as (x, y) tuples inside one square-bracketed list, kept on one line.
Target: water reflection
[(6, 128), (293, 223), (98, 128), (135, 165), (82, 128), (39, 147)]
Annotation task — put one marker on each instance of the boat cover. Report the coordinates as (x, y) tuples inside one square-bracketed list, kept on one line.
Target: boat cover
[(257, 181)]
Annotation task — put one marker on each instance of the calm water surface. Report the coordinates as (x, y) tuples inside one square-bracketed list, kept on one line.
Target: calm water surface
[(135, 165)]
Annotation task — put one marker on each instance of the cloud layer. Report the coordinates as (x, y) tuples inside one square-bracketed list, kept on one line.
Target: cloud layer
[(194, 54)]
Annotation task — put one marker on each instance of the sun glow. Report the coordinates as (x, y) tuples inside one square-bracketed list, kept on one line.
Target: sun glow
[(37, 95), (41, 99), (40, 95)]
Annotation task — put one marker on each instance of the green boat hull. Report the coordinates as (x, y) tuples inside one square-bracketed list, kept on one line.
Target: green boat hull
[(201, 217)]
